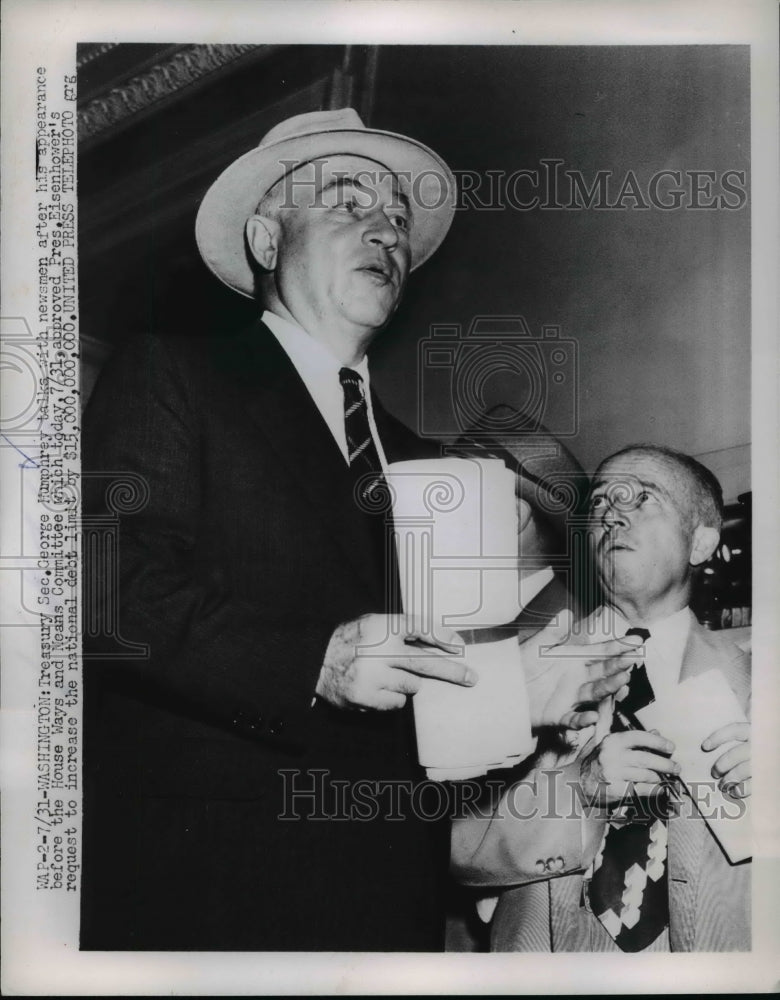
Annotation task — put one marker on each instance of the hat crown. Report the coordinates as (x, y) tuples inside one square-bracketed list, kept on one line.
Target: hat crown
[(312, 123)]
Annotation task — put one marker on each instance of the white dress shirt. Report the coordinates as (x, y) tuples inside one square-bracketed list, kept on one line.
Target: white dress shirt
[(319, 370), (662, 652)]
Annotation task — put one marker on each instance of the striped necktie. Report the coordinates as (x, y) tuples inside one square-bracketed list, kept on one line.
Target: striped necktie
[(371, 491), (628, 890), (361, 448)]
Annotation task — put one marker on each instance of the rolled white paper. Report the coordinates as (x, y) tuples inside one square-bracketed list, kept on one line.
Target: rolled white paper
[(456, 532), (465, 732)]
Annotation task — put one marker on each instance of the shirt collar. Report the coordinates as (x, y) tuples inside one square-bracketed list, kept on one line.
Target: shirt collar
[(664, 650), (611, 623), (319, 369), (310, 356), (673, 631)]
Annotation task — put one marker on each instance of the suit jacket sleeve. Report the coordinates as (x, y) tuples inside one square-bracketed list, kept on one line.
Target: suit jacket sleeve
[(539, 829), (208, 646)]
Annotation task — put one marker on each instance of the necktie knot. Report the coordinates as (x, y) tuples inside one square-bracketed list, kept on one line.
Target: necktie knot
[(640, 691), (351, 380)]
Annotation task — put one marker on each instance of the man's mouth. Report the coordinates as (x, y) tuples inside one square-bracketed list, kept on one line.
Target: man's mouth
[(378, 269), (608, 545)]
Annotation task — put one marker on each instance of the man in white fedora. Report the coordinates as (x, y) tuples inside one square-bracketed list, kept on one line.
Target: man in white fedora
[(244, 781)]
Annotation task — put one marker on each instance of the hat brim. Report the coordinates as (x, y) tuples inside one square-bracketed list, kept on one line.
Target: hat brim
[(233, 197), (548, 476)]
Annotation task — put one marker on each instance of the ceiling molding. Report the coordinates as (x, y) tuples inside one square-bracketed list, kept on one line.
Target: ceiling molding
[(162, 81), (87, 51), (167, 189)]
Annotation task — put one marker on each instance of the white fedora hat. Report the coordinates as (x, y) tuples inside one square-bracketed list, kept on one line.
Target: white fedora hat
[(425, 179)]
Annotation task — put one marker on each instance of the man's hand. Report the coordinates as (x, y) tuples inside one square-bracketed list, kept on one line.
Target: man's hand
[(562, 688), (733, 767), (632, 759), (369, 663)]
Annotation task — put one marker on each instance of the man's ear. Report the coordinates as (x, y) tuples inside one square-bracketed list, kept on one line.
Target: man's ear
[(705, 541), (262, 236), (524, 514)]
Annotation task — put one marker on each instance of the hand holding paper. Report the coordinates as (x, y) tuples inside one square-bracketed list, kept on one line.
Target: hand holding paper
[(628, 762), (699, 703), (463, 732), (373, 663), (732, 767)]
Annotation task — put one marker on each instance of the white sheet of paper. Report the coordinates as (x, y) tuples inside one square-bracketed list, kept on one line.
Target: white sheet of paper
[(464, 732), (699, 706)]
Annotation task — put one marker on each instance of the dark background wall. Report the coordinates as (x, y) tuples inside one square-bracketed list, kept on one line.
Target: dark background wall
[(656, 302)]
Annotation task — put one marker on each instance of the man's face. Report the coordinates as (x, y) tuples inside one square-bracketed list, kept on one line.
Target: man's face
[(643, 529), (344, 252)]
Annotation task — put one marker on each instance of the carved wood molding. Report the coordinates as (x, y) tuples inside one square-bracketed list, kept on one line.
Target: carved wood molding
[(161, 81), (87, 51)]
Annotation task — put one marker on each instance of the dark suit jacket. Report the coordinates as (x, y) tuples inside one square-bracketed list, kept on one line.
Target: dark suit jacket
[(239, 553)]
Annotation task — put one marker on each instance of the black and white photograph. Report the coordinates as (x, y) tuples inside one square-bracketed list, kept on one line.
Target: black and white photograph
[(384, 408)]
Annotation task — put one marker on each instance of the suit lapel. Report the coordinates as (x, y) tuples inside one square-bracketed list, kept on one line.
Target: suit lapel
[(686, 831), (704, 652), (399, 442), (697, 659), (282, 410)]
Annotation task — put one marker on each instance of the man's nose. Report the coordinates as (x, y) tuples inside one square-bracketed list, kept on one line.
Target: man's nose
[(379, 231), (613, 516)]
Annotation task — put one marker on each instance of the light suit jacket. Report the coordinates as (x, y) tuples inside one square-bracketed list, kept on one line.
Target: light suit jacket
[(540, 859)]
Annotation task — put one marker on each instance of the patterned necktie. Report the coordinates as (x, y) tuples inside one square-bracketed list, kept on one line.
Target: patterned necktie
[(363, 456), (371, 493), (628, 891)]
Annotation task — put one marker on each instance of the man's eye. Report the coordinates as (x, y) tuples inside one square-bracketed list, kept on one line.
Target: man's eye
[(348, 204), (596, 503), (642, 497), (400, 222)]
